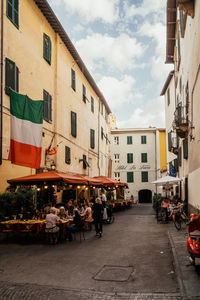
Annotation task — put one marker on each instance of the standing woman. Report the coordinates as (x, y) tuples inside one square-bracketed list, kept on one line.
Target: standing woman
[(97, 209)]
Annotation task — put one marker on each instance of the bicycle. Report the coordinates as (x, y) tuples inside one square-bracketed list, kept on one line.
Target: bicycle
[(179, 219)]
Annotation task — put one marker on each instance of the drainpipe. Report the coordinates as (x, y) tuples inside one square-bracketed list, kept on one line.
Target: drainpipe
[(156, 158), (1, 95), (99, 140)]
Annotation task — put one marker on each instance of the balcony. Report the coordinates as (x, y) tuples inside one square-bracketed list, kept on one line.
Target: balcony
[(181, 120), (187, 6)]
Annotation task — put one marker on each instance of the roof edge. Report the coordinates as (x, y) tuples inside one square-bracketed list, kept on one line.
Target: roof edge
[(169, 77)]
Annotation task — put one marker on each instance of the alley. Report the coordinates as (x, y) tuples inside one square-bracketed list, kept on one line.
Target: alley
[(133, 256)]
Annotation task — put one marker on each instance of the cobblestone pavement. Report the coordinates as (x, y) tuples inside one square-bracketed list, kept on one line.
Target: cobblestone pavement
[(37, 292)]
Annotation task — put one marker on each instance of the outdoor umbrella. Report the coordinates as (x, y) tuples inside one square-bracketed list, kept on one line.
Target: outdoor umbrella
[(167, 180)]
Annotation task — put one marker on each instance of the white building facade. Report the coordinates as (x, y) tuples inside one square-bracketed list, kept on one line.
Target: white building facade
[(135, 155)]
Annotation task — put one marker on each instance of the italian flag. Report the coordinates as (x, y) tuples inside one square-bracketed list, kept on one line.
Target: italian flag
[(26, 130)]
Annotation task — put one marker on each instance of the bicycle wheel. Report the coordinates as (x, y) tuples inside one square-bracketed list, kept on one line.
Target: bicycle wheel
[(177, 223)]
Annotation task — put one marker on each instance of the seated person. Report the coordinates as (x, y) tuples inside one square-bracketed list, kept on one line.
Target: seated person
[(62, 213), (77, 224), (165, 206), (51, 224), (87, 214), (70, 208)]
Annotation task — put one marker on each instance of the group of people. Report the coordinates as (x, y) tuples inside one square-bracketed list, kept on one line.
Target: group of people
[(79, 213), (171, 208)]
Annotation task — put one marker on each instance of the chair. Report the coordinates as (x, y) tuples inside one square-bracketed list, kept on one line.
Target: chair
[(81, 231)]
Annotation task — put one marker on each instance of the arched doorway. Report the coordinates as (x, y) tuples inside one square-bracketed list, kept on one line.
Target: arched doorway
[(145, 196)]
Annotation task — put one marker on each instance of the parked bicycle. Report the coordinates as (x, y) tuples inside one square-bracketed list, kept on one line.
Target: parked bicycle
[(179, 217)]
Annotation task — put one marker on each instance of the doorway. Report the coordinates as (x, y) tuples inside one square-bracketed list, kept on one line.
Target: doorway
[(145, 196)]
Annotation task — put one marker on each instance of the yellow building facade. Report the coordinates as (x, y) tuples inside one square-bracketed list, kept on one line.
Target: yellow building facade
[(50, 69), (163, 151)]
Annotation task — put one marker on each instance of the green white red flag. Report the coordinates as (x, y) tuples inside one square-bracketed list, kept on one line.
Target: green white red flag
[(26, 130)]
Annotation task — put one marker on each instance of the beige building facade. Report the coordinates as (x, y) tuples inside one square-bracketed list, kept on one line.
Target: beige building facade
[(181, 91), (39, 60)]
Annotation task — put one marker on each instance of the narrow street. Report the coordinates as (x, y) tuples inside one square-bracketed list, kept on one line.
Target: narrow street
[(133, 260)]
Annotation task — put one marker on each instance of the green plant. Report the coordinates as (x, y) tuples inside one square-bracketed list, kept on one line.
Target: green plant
[(157, 199)]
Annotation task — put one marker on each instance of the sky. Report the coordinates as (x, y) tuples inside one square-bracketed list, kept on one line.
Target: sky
[(123, 44)]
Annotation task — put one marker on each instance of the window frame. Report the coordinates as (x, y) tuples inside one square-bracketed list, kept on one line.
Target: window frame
[(128, 174), (73, 79), (73, 124), (67, 155), (144, 176), (15, 74), (92, 138), (84, 93), (92, 104), (143, 139), (129, 140), (47, 54), (47, 98), (129, 158), (14, 11), (144, 158)]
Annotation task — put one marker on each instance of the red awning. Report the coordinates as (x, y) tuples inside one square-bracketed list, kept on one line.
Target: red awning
[(51, 176), (110, 182), (91, 181)]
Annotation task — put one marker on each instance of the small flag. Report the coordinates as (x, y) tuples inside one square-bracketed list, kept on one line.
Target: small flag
[(52, 150), (172, 171), (26, 130)]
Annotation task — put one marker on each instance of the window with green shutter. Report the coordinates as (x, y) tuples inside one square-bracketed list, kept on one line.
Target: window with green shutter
[(85, 163), (11, 76), (67, 155), (47, 106), (144, 176), (185, 148), (84, 93), (143, 157), (92, 104), (12, 11), (47, 48), (102, 108), (73, 79), (73, 124), (143, 139), (130, 177), (129, 140), (179, 156), (92, 138), (102, 134), (168, 97), (129, 157), (176, 164)]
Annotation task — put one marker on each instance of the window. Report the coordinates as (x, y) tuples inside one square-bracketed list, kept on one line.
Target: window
[(73, 79), (106, 116), (116, 140), (73, 124), (92, 104), (47, 48), (144, 176), (143, 157), (117, 175), (106, 138), (11, 76), (92, 138), (67, 155), (129, 140), (116, 157), (84, 93), (129, 157), (99, 105), (130, 177), (47, 106), (179, 156), (168, 97), (102, 108), (143, 139), (13, 11), (85, 163), (102, 133)]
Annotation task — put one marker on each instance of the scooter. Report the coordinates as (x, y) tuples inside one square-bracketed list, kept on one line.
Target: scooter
[(193, 241)]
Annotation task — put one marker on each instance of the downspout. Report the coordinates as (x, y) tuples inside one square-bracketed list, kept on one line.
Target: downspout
[(1, 95), (156, 158)]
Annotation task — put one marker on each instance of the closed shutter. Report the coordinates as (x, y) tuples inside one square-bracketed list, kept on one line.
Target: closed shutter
[(129, 157), (16, 79), (73, 79), (92, 138), (185, 148), (144, 176), (67, 155), (179, 156), (50, 107), (181, 21), (47, 48), (45, 97), (130, 177), (102, 133), (92, 104), (10, 76), (176, 164), (129, 140), (144, 157), (84, 93), (169, 140), (143, 139), (73, 124), (13, 11)]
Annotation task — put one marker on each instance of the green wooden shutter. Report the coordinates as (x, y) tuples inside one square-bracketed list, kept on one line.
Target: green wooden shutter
[(176, 164), (143, 157), (13, 11), (92, 138), (67, 155), (102, 133), (84, 93), (143, 139), (47, 48), (179, 156), (144, 176), (73, 124), (92, 104), (73, 79), (169, 141), (181, 21), (130, 177), (84, 161), (10, 75), (50, 107), (129, 157), (129, 140)]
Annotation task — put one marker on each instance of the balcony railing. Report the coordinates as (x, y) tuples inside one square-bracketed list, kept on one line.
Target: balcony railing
[(181, 120)]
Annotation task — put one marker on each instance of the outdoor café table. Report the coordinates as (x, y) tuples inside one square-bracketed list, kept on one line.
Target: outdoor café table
[(28, 224)]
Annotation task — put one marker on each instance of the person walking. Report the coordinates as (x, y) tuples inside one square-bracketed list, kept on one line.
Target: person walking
[(98, 209)]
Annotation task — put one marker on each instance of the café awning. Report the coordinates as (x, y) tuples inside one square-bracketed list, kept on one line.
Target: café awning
[(49, 177), (106, 181)]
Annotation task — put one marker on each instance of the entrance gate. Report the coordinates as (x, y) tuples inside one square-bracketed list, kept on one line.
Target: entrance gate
[(145, 196)]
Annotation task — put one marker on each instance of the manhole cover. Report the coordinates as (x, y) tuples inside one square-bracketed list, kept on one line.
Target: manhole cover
[(114, 273)]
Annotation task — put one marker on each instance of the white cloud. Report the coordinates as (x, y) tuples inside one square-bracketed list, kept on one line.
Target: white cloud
[(118, 53), (151, 114), (91, 10), (147, 7), (118, 92)]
